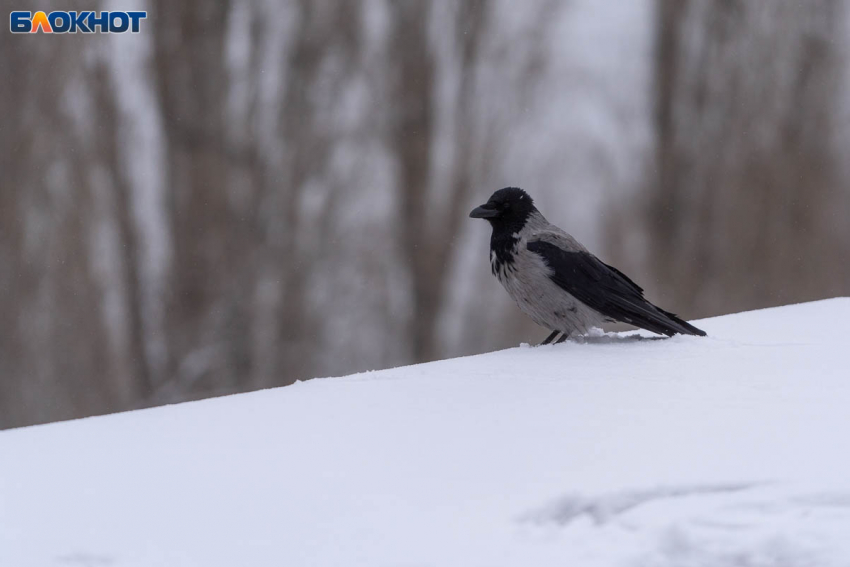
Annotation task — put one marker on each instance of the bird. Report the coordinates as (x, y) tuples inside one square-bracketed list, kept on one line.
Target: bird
[(556, 281)]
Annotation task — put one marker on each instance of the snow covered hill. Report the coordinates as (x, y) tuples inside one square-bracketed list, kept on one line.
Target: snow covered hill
[(687, 452)]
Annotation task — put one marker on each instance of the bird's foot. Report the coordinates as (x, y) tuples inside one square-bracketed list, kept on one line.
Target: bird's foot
[(550, 338)]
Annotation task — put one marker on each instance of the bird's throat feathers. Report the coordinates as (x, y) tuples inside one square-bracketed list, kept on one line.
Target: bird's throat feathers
[(502, 249), (506, 237)]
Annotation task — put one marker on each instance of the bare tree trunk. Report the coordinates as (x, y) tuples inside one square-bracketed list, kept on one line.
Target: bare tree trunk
[(108, 144), (412, 139), (428, 228), (669, 16), (191, 78), (54, 352)]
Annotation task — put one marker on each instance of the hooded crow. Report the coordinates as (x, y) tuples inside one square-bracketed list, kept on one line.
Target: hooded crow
[(556, 281)]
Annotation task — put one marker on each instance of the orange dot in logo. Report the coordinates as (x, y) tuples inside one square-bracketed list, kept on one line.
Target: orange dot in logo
[(39, 19)]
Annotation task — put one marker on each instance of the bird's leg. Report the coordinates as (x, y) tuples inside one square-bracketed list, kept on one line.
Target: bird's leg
[(562, 339), (550, 338)]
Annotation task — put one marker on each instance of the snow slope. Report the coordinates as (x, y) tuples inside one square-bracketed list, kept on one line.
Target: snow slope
[(688, 452)]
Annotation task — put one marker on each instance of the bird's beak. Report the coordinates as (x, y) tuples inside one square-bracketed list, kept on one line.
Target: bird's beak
[(485, 211)]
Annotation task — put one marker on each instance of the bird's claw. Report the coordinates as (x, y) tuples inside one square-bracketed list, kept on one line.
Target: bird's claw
[(551, 338)]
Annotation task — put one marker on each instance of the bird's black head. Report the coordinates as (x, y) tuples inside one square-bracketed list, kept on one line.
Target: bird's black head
[(507, 208)]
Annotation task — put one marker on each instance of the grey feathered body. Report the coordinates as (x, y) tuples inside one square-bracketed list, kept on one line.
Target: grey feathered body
[(528, 280)]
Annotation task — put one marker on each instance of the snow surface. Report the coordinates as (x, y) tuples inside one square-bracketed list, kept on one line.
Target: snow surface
[(687, 452)]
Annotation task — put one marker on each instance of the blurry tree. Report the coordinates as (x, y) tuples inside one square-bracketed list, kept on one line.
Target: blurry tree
[(429, 222), (238, 187), (745, 207), (104, 149), (62, 336), (208, 234), (442, 80)]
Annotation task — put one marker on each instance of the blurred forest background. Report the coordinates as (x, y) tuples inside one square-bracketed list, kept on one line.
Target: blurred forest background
[(252, 192)]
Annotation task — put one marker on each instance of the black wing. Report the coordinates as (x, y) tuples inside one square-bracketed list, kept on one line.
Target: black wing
[(607, 290)]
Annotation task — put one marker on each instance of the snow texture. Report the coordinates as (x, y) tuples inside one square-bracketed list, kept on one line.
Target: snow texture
[(730, 450)]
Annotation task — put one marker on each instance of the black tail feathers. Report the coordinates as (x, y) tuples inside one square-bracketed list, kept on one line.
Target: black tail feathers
[(675, 325)]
